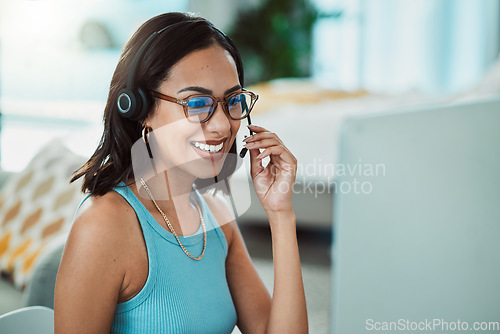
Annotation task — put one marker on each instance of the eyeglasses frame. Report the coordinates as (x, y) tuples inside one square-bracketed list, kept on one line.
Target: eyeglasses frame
[(223, 100)]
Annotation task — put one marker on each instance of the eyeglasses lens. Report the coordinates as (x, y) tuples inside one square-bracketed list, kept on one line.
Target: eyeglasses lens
[(199, 108)]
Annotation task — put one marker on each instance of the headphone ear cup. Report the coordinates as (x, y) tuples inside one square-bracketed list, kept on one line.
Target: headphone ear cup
[(133, 105), (127, 103), (143, 106)]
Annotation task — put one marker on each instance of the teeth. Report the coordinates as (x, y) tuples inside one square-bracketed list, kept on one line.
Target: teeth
[(209, 148)]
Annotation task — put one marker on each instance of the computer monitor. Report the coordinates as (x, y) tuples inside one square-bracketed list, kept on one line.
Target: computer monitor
[(417, 222)]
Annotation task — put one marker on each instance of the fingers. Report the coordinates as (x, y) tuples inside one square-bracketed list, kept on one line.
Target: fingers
[(260, 133), (256, 128), (280, 151), (270, 142), (262, 143), (255, 164), (273, 148)]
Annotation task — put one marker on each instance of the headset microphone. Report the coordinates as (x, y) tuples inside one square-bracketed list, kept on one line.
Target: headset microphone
[(244, 150)]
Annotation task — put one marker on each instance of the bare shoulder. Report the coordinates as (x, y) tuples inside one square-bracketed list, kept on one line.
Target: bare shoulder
[(103, 214), (102, 227), (221, 208), (93, 269)]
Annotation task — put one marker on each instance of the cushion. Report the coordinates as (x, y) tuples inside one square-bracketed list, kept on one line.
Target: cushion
[(41, 289), (37, 206)]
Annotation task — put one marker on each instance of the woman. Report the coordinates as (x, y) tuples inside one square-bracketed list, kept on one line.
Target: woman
[(148, 252)]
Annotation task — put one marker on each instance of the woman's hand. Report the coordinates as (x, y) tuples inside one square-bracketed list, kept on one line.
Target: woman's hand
[(274, 182), (274, 187)]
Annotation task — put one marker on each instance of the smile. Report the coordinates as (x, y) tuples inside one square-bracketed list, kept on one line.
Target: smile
[(208, 148)]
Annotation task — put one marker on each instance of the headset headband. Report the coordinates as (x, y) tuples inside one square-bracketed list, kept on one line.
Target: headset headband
[(145, 45), (133, 102), (143, 48)]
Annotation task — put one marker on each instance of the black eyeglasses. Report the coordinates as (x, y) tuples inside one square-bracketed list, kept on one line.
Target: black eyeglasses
[(199, 108)]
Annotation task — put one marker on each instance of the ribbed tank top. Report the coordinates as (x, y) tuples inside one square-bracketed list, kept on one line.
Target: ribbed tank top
[(181, 295)]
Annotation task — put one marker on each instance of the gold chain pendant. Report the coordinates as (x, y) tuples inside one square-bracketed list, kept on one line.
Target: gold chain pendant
[(172, 228)]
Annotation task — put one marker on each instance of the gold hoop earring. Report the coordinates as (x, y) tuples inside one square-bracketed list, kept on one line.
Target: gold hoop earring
[(145, 134), (145, 137)]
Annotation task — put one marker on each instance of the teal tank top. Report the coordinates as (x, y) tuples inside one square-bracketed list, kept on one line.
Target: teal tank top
[(181, 295)]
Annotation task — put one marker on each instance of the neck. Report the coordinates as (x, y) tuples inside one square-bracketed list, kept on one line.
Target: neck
[(168, 191), (172, 195)]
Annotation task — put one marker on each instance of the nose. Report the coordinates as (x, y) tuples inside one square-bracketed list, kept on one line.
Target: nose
[(219, 121)]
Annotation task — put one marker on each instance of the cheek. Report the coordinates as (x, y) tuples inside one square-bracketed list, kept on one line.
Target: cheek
[(166, 115), (174, 138), (235, 126)]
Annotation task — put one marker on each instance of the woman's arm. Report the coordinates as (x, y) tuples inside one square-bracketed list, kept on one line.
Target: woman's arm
[(273, 185), (90, 275), (288, 310), (257, 312)]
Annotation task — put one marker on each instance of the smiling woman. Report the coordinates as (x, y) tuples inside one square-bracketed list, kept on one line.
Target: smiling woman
[(215, 72), (150, 251)]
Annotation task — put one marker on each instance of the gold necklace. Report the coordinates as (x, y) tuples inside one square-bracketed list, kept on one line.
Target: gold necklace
[(172, 228)]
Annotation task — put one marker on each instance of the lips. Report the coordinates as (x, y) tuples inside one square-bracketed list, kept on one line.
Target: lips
[(211, 142), (209, 149)]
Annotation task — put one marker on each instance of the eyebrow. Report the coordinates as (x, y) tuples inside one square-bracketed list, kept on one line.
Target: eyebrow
[(208, 91)]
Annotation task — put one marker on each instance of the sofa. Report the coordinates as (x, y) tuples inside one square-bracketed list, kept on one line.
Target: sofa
[(37, 206), (40, 291)]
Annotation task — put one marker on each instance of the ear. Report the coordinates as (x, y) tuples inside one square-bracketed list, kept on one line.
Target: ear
[(148, 120)]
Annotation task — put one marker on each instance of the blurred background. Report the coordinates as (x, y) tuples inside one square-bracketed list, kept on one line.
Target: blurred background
[(313, 62), (57, 57)]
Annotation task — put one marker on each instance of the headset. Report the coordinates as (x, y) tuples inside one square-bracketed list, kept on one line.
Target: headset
[(133, 102)]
